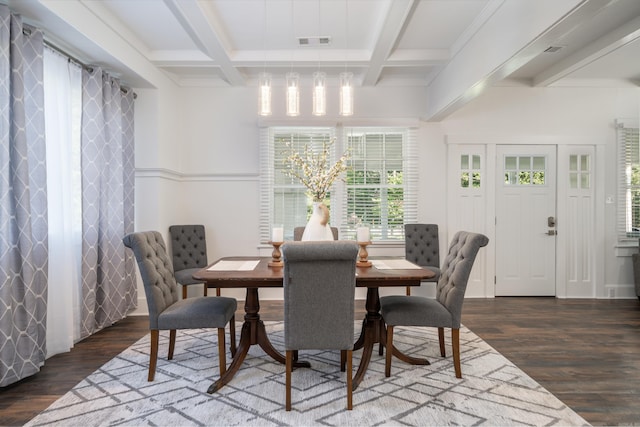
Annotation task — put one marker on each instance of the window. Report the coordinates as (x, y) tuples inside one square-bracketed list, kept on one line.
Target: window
[(470, 171), (628, 180), (379, 188), (524, 170)]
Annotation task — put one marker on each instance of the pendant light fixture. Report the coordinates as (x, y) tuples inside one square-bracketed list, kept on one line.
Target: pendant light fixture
[(264, 80), (292, 96), (346, 77), (319, 82)]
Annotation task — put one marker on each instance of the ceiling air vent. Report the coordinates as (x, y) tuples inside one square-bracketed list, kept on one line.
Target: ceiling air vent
[(552, 49), (314, 41)]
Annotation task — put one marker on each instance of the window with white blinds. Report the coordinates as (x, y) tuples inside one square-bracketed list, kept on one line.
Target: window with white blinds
[(379, 188), (628, 180)]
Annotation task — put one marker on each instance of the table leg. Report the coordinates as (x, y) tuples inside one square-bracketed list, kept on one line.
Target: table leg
[(370, 333), (253, 332)]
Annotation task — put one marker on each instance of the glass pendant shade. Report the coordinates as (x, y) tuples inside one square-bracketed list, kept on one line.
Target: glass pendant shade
[(264, 96), (293, 94), (346, 94), (319, 94)]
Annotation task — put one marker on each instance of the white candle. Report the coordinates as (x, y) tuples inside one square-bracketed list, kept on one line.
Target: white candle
[(277, 234), (362, 234)]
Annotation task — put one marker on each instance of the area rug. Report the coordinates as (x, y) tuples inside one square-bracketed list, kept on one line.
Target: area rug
[(493, 391)]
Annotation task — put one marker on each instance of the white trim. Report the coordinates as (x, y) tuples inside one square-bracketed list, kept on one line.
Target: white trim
[(173, 175)]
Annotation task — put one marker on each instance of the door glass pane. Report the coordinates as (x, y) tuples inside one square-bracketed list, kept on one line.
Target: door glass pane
[(464, 180), (573, 162), (584, 162), (539, 163), (524, 162), (476, 162), (464, 161), (510, 163), (573, 180), (585, 180)]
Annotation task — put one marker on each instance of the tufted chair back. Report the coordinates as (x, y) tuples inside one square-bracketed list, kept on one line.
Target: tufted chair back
[(422, 245), (188, 246), (155, 266), (455, 272)]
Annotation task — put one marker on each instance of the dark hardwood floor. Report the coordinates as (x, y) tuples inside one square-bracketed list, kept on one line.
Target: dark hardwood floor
[(586, 352)]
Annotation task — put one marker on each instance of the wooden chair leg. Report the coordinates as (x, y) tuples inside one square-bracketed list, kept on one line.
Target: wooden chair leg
[(184, 291), (408, 290), (289, 364), (205, 289), (153, 357), (222, 351), (217, 292), (387, 362), (455, 342), (343, 360), (172, 343), (349, 379), (232, 336), (443, 352)]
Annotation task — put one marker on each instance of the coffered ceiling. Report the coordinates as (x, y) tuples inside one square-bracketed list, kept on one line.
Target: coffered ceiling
[(383, 42)]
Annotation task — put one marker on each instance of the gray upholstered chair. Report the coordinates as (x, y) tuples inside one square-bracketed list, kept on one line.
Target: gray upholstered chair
[(166, 310), (422, 247), (299, 231), (319, 287), (445, 311), (189, 251)]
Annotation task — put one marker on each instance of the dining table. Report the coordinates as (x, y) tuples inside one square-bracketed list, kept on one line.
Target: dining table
[(254, 273)]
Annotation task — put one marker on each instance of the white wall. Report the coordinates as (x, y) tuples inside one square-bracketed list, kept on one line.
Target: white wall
[(214, 177)]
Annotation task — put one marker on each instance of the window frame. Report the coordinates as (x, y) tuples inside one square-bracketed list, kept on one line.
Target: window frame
[(626, 134), (338, 194)]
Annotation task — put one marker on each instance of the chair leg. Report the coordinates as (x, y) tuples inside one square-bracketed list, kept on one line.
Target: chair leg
[(443, 352), (343, 360), (217, 292), (205, 290), (222, 352), (455, 342), (387, 362), (184, 291), (172, 343), (349, 379), (232, 336), (153, 357), (289, 364), (408, 290)]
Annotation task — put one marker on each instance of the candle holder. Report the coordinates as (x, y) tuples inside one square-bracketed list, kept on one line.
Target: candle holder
[(363, 255), (276, 255)]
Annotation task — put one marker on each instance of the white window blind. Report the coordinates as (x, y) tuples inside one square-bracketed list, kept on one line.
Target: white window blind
[(379, 188), (628, 215)]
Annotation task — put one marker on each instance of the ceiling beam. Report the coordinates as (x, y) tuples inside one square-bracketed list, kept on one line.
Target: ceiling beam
[(490, 56), (399, 12), (628, 33), (200, 23)]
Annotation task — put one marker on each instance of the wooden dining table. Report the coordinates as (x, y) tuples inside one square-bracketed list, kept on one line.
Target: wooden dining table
[(263, 276)]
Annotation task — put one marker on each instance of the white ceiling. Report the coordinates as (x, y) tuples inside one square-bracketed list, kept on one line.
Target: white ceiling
[(383, 42)]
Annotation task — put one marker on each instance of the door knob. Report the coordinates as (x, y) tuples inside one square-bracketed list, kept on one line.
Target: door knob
[(552, 233)]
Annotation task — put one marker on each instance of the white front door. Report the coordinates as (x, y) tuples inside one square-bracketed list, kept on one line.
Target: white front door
[(525, 220)]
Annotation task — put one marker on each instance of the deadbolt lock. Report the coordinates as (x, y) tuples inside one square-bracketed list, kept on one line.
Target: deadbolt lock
[(551, 221)]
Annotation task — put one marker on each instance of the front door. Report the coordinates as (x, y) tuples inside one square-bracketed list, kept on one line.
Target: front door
[(525, 220)]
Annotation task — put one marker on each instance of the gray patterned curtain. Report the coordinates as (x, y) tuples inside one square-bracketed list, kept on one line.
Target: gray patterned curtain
[(108, 277), (23, 201)]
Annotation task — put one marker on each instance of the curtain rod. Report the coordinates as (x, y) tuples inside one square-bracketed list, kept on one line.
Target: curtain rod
[(27, 31)]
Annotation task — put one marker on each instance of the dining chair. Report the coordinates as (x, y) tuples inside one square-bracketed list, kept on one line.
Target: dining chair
[(166, 310), (189, 253), (299, 231), (319, 280), (445, 311), (422, 247)]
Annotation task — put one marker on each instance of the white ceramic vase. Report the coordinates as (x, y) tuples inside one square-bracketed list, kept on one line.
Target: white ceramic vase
[(318, 227)]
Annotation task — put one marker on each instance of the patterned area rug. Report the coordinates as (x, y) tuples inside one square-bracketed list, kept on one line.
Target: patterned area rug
[(492, 391)]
